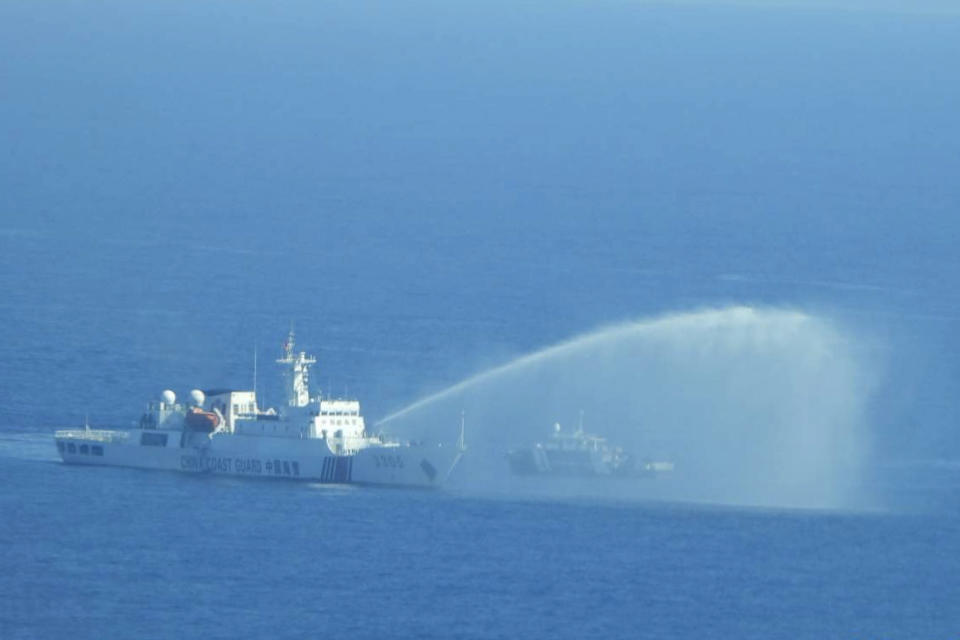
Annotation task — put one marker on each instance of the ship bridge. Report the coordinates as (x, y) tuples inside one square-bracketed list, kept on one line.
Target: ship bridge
[(339, 421)]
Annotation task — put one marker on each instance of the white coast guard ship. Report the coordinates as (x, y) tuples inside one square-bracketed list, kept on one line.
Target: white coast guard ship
[(224, 432)]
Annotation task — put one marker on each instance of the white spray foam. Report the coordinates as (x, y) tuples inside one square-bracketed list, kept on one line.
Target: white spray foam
[(754, 406)]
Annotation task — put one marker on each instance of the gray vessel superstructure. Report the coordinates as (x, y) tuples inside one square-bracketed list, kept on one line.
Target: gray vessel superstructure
[(577, 453)]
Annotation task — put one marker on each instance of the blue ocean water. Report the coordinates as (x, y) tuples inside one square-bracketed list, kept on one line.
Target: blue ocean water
[(115, 553), (427, 190)]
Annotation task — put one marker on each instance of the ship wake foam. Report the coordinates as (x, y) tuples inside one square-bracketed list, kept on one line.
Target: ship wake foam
[(753, 406)]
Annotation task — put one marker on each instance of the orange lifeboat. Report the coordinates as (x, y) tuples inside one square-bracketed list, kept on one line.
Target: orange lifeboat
[(200, 420)]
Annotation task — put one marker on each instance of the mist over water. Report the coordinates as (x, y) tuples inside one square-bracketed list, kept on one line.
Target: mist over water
[(754, 406)]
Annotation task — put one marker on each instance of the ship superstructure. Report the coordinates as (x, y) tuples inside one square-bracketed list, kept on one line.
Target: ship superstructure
[(224, 431), (577, 453)]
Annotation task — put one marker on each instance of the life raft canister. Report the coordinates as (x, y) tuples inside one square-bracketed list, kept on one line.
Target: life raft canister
[(201, 420)]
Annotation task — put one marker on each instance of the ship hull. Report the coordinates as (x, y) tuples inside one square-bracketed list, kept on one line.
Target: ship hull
[(260, 457), (540, 461)]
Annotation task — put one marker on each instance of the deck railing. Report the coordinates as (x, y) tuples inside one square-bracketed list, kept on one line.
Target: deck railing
[(96, 435)]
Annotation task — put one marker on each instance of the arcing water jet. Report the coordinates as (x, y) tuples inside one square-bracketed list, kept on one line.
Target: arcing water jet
[(754, 406)]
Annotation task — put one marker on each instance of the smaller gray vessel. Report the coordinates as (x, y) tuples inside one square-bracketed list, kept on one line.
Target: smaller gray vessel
[(578, 453)]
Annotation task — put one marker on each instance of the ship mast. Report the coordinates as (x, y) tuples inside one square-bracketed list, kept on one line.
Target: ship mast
[(297, 374), (460, 449)]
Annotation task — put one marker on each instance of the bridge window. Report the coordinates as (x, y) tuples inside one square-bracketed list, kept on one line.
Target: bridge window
[(84, 449), (96, 450)]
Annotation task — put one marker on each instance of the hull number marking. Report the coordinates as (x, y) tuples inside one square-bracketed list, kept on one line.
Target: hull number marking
[(388, 461)]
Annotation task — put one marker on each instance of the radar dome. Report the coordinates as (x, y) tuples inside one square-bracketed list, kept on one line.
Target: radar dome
[(168, 397), (197, 397)]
